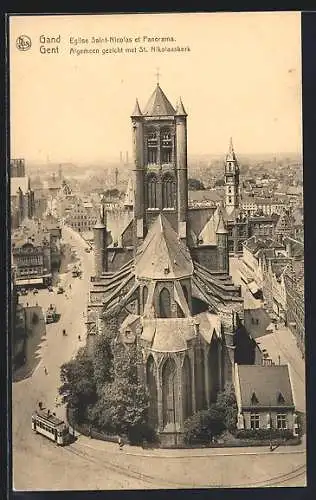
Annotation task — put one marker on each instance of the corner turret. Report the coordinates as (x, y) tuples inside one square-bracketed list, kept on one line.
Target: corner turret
[(100, 250)]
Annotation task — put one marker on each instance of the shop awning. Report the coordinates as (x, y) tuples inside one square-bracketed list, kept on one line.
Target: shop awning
[(31, 281)]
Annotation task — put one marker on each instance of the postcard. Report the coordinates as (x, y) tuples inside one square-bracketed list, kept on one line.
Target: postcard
[(157, 251)]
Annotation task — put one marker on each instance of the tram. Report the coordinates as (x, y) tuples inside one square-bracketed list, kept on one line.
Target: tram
[(46, 423)]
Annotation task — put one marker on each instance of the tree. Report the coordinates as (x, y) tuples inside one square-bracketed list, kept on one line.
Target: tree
[(226, 402), (78, 389), (102, 360), (195, 184), (204, 425), (123, 402)]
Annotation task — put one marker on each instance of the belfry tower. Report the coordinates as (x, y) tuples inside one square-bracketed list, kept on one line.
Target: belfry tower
[(231, 180), (160, 164)]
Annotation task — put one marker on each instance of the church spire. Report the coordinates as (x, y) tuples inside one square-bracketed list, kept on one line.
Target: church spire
[(231, 156), (137, 111)]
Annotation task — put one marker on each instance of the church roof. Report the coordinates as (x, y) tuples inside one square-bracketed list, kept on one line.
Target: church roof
[(208, 234), (267, 382), (162, 255), (158, 104), (158, 332)]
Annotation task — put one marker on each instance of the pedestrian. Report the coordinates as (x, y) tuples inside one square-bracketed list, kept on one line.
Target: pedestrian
[(120, 443), (40, 405), (27, 304), (70, 286), (79, 338), (45, 370)]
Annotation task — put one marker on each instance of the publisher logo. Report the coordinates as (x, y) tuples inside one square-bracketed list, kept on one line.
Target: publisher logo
[(23, 42)]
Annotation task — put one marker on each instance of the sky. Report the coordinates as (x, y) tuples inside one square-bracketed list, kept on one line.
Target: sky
[(241, 79)]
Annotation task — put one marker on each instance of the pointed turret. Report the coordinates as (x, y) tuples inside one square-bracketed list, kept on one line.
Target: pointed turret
[(137, 111), (222, 244), (180, 111), (221, 229), (100, 250)]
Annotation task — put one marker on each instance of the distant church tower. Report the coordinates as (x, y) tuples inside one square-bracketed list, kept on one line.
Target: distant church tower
[(160, 164), (231, 180)]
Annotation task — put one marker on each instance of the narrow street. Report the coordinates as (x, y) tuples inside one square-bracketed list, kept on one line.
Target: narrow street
[(38, 464)]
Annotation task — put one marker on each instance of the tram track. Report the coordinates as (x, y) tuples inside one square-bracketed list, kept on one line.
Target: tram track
[(160, 482)]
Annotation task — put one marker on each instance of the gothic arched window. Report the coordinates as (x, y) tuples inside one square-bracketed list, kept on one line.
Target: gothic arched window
[(186, 388), (152, 147), (168, 191), (152, 201), (164, 304), (170, 392), (145, 295), (213, 369), (152, 386), (166, 146)]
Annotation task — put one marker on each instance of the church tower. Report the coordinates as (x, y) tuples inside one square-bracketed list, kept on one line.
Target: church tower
[(231, 180), (160, 164)]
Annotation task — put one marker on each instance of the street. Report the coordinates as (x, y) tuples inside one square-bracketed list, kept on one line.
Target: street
[(38, 464)]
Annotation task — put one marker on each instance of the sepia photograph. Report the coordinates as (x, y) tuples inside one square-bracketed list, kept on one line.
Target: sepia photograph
[(157, 251)]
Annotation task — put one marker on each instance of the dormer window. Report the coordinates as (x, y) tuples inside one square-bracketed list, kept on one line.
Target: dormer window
[(281, 398), (254, 399)]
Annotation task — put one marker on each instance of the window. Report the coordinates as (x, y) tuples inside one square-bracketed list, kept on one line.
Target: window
[(168, 192), (152, 147), (166, 146), (255, 421), (164, 304), (152, 191), (281, 421), (254, 399)]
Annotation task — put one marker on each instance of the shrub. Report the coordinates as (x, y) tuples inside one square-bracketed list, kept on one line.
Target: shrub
[(226, 402), (204, 425), (263, 434), (139, 433)]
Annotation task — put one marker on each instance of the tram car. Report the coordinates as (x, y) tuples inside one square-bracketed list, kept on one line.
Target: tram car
[(46, 423)]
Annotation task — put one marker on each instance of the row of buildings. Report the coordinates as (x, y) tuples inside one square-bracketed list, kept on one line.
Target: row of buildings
[(162, 272), (276, 268)]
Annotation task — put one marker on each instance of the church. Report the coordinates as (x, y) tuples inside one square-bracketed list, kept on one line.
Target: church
[(165, 277)]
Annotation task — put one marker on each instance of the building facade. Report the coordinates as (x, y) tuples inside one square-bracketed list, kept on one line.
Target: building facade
[(35, 253), (82, 216), (268, 401)]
